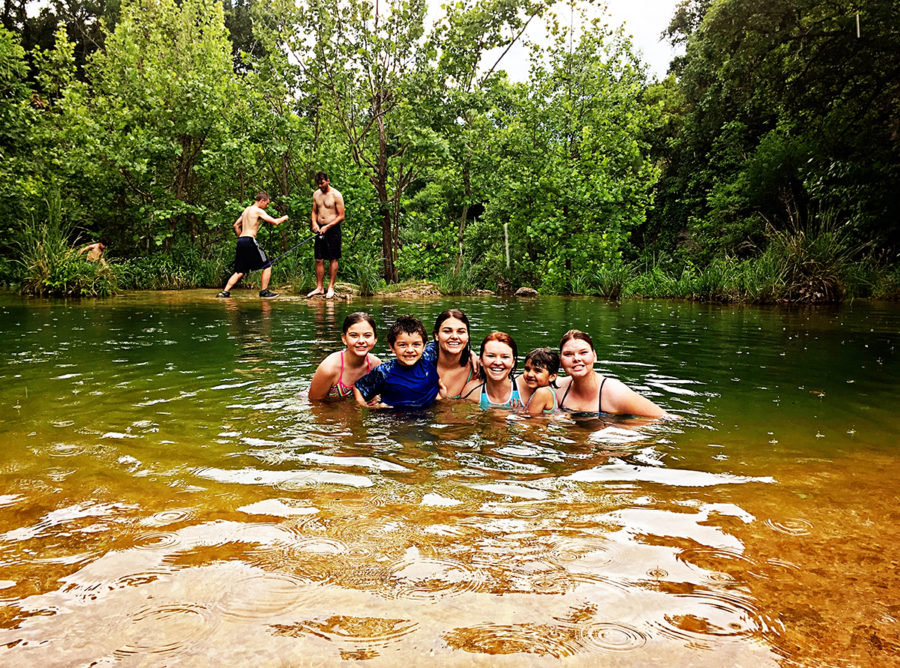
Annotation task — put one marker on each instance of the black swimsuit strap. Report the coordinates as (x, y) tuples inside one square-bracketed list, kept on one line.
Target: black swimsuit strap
[(565, 394), (599, 398)]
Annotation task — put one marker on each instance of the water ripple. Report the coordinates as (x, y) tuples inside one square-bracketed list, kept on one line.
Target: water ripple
[(432, 579), (612, 636), (553, 640), (264, 595), (163, 630)]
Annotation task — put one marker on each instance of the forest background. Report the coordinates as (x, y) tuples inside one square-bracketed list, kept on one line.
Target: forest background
[(764, 167)]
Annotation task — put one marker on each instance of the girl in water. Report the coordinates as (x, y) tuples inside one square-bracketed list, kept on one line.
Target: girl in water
[(454, 363), (496, 388), (586, 391), (335, 376), (535, 384)]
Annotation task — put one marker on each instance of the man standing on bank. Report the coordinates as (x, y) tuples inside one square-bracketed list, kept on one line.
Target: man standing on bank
[(249, 256), (327, 216)]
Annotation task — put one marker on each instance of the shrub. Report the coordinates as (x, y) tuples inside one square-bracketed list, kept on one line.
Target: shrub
[(50, 266)]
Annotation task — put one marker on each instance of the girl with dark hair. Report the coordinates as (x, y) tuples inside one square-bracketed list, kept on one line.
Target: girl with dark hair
[(336, 375), (586, 391), (454, 363), (496, 386)]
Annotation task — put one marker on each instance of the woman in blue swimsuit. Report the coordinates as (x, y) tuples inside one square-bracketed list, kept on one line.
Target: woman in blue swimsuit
[(586, 391), (496, 387)]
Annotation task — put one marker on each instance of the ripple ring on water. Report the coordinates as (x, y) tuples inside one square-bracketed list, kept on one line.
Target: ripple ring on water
[(163, 629), (166, 517), (791, 527), (65, 450), (155, 540), (263, 595), (612, 636), (540, 639), (433, 579)]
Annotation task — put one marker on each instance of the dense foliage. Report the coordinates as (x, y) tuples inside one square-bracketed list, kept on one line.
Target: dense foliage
[(765, 167)]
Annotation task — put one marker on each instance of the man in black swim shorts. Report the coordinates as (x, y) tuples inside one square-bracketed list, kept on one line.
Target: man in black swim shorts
[(327, 216), (249, 256)]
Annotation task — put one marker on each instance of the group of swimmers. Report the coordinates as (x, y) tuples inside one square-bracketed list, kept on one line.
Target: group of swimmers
[(443, 368)]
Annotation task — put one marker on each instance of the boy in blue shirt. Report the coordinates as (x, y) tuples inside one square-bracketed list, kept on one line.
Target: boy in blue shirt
[(411, 379)]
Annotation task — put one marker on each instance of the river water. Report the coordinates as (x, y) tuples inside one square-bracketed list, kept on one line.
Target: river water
[(169, 497)]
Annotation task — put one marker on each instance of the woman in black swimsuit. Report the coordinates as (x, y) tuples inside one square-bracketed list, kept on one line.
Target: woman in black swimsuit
[(586, 391), (455, 364)]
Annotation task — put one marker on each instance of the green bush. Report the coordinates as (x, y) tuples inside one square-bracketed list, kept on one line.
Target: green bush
[(50, 266)]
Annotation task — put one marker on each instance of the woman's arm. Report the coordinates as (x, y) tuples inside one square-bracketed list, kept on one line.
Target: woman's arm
[(625, 401)]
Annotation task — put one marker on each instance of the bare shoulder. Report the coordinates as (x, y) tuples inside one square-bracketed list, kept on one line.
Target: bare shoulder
[(330, 364), (338, 197), (469, 392), (375, 360), (625, 401)]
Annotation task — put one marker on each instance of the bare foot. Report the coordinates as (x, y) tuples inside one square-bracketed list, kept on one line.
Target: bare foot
[(315, 292), (329, 294)]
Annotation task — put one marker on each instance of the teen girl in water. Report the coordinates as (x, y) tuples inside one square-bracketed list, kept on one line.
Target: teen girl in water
[(335, 376)]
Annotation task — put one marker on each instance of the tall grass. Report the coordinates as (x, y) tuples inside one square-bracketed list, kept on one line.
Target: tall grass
[(452, 282), (186, 266), (49, 264), (819, 262)]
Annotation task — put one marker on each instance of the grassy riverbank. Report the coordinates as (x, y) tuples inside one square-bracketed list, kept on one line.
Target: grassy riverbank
[(795, 268)]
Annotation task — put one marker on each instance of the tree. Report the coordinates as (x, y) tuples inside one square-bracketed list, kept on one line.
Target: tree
[(172, 115)]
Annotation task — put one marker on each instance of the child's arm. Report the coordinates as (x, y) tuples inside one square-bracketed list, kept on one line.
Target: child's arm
[(370, 386), (541, 400)]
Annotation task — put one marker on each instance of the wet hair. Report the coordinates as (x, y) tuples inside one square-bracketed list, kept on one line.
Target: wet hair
[(466, 353), (104, 240), (502, 337), (263, 195), (354, 318), (575, 334), (544, 358), (321, 176), (406, 324)]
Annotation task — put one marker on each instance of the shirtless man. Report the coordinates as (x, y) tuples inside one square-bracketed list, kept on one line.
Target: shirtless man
[(327, 215), (249, 256), (95, 251)]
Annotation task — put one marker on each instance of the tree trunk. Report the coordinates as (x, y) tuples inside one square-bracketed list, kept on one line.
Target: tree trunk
[(462, 221)]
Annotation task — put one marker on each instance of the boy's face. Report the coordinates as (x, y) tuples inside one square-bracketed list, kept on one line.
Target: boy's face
[(408, 348), (535, 376)]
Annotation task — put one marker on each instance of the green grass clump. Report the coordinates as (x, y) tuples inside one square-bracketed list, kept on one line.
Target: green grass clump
[(50, 266)]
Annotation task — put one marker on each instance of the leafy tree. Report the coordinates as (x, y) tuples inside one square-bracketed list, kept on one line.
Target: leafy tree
[(171, 116), (786, 114), (570, 179)]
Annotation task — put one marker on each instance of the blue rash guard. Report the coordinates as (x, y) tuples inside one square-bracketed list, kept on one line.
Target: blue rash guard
[(403, 386)]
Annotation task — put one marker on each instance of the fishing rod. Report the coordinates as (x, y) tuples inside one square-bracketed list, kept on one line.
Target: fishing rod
[(292, 248)]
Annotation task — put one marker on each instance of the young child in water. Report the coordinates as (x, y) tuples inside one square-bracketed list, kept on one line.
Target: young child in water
[(536, 382), (408, 381)]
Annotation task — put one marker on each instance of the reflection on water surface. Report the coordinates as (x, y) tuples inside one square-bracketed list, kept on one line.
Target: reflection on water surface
[(167, 496)]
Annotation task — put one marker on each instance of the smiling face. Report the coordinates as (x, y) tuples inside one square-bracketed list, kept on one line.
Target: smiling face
[(535, 376), (408, 347), (577, 358), (497, 360), (359, 338), (452, 336)]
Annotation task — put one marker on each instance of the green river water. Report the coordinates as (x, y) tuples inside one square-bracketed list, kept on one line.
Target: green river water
[(169, 497)]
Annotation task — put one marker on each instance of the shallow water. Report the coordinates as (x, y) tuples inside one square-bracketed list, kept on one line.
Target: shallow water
[(167, 495)]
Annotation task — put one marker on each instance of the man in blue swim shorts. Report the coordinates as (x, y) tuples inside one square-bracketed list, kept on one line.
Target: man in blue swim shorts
[(249, 256), (410, 380)]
